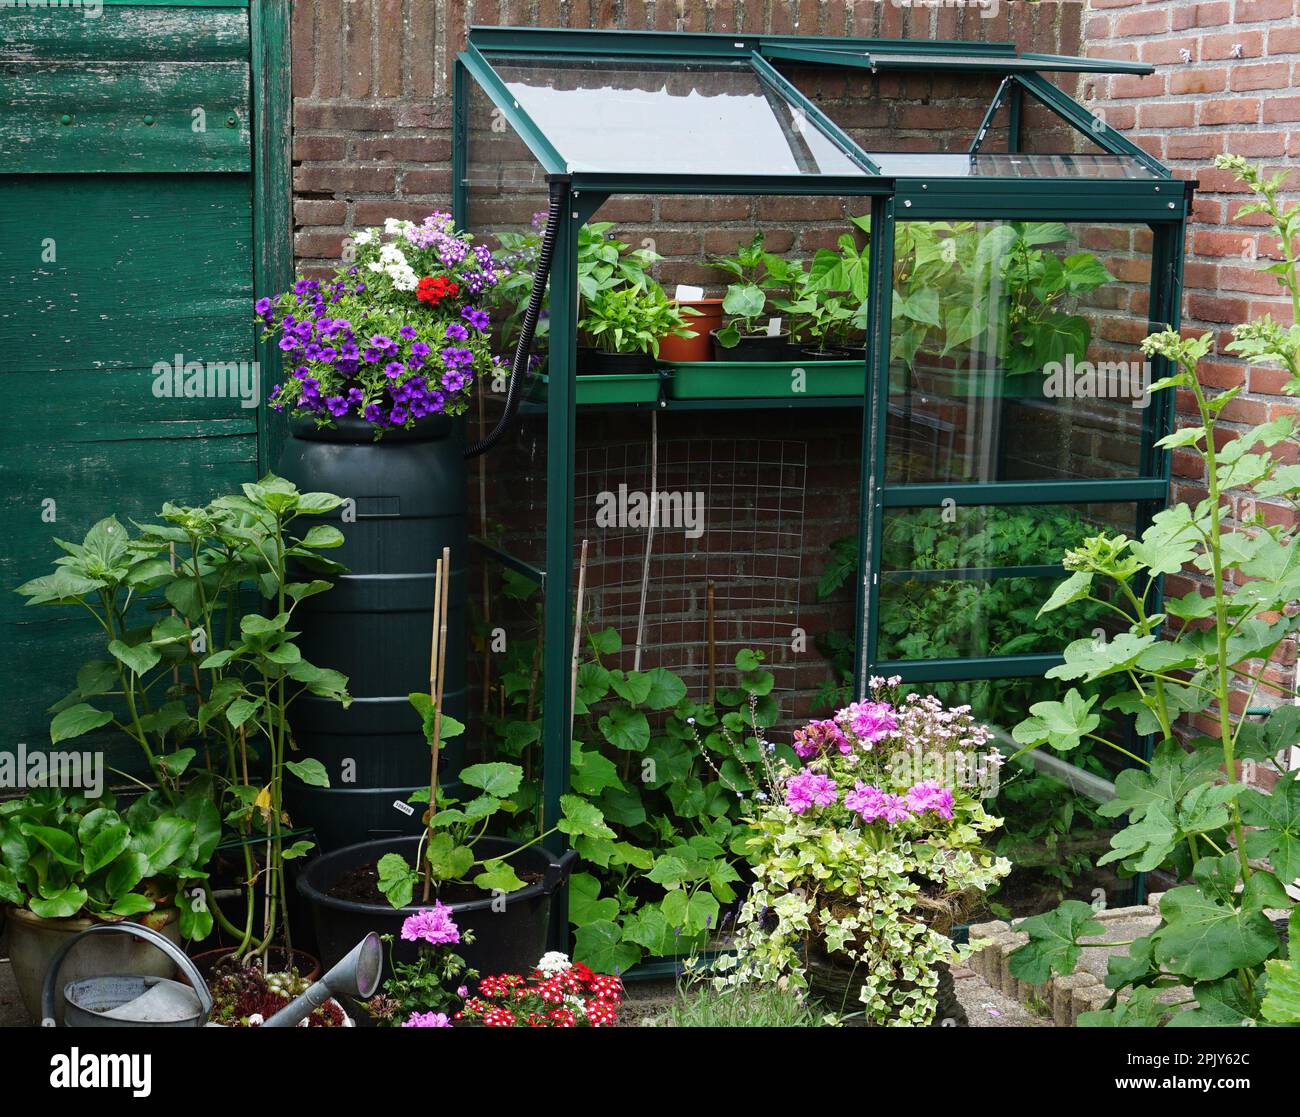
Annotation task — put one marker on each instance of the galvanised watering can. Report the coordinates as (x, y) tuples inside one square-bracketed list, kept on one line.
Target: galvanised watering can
[(139, 1001)]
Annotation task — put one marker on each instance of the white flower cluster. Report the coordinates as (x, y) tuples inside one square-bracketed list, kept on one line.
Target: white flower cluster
[(393, 263), (554, 962)]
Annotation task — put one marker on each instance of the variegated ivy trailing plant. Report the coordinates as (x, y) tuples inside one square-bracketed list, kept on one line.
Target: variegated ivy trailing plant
[(199, 671), (1220, 944)]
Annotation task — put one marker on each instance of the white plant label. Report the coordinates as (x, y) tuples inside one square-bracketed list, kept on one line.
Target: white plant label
[(685, 293), (774, 327)]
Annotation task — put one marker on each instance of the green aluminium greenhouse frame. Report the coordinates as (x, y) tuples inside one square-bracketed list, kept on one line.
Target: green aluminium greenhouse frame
[(1148, 195)]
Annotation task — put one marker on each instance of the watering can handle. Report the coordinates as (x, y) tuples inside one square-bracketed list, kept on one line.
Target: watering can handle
[(139, 931)]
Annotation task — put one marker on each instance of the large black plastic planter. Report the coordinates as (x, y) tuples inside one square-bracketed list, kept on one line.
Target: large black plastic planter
[(406, 498), (509, 939)]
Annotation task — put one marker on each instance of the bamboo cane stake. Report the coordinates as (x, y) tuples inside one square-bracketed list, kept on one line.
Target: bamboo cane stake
[(649, 538), (437, 664), (577, 633)]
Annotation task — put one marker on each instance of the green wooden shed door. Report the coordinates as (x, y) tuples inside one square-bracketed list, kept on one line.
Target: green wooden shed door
[(127, 243)]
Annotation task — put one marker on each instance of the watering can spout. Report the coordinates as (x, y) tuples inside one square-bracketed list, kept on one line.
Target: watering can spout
[(356, 975)]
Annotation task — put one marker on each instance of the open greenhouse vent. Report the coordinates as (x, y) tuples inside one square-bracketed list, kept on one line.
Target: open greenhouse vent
[(731, 517)]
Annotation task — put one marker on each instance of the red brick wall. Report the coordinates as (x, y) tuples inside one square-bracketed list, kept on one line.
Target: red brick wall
[(1227, 80)]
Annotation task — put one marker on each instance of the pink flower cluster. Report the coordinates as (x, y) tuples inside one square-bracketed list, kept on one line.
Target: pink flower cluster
[(807, 789), (818, 737), (875, 805), (427, 1020), (869, 722), (433, 925), (930, 796)]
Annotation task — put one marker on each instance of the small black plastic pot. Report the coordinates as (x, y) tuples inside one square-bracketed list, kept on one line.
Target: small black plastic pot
[(596, 362), (508, 940), (753, 347)]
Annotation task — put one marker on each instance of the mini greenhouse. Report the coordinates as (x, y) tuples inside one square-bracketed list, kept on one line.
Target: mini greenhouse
[(994, 280)]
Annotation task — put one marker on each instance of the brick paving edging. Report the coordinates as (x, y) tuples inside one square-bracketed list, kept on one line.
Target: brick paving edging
[(1067, 995)]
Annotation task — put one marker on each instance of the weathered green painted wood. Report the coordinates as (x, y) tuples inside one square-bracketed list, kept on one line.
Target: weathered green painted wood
[(145, 267), (145, 264), (132, 32), (269, 22), (124, 116)]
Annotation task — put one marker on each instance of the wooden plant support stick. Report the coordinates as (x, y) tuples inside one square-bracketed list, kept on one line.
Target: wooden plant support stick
[(437, 659), (713, 646), (577, 633), (649, 537)]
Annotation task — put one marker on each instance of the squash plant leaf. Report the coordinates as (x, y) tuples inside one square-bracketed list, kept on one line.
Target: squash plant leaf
[(1062, 725), (1053, 945), (1278, 818), (1206, 939)]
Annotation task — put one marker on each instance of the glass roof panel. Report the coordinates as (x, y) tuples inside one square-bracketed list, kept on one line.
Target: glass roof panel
[(907, 164), (628, 116)]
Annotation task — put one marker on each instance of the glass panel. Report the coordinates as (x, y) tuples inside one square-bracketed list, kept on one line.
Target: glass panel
[(1001, 165), (1051, 830), (1014, 351), (959, 582), (637, 117)]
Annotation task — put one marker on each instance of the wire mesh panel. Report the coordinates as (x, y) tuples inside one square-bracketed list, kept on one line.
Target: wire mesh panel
[(695, 550)]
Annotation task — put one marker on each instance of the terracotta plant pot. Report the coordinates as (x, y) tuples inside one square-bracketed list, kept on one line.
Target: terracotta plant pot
[(33, 943), (308, 965), (697, 348)]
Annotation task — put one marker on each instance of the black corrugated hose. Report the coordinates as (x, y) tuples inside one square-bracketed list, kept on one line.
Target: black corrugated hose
[(519, 368)]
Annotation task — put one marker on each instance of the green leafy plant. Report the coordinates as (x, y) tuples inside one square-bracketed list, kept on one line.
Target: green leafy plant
[(1185, 809), (210, 677), (63, 854), (745, 300), (632, 319), (1000, 290), (658, 882), (1264, 341), (452, 831)]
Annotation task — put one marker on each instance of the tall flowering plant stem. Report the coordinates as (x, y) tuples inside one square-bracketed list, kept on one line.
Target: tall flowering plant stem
[(1232, 845), (399, 333)]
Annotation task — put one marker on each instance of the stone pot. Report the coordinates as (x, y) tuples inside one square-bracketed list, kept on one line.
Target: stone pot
[(33, 943)]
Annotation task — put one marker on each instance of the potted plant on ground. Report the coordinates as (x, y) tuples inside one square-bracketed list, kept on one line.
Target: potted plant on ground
[(498, 888), (69, 860), (864, 858), (205, 690), (427, 992)]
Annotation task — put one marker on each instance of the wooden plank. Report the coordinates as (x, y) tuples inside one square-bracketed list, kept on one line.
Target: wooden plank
[(59, 117), (272, 190), (145, 267), (139, 32)]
